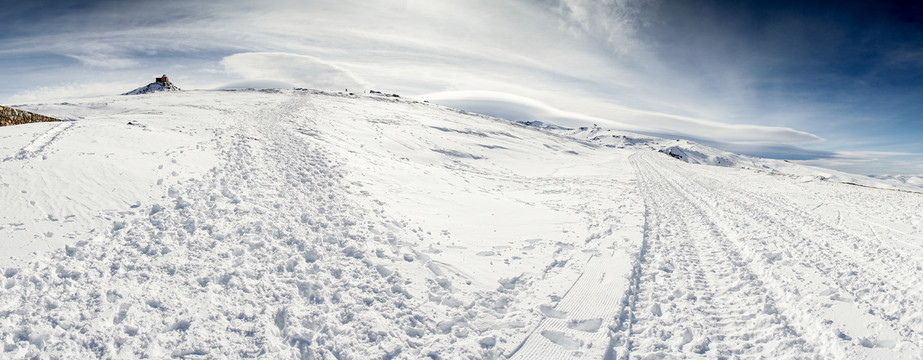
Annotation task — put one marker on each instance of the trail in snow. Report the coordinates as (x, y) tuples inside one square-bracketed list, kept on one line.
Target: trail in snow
[(40, 142), (815, 284), (578, 324), (264, 255), (283, 249), (697, 295)]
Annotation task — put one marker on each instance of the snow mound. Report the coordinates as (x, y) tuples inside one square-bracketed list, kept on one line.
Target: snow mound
[(154, 87)]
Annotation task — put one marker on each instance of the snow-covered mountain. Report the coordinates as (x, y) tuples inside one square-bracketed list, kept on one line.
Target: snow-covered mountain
[(160, 84), (307, 224), (912, 180), (695, 153)]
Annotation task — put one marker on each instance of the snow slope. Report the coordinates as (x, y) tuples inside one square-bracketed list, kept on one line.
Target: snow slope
[(293, 224)]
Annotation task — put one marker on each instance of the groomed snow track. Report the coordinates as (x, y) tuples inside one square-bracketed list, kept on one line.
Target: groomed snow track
[(732, 272)]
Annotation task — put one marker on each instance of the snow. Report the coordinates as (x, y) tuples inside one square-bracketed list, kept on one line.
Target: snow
[(299, 223)]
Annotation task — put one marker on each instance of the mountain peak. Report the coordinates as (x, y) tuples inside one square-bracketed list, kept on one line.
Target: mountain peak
[(161, 83)]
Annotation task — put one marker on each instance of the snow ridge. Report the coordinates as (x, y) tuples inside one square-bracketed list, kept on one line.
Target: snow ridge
[(695, 153), (914, 180)]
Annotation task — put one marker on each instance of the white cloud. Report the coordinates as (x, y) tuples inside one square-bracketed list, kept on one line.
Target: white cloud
[(105, 61), (872, 162), (301, 70), (515, 107), (570, 61), (71, 91), (258, 84), (522, 108)]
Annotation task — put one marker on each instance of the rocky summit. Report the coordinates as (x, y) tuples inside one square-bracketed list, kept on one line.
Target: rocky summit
[(160, 84)]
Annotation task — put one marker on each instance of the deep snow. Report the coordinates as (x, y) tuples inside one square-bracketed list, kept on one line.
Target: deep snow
[(287, 224)]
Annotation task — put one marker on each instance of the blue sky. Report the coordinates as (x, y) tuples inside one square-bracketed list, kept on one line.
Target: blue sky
[(836, 84)]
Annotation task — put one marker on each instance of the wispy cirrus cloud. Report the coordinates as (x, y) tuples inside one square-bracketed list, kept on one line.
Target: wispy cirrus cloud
[(301, 70), (71, 90), (521, 108), (745, 75), (877, 162)]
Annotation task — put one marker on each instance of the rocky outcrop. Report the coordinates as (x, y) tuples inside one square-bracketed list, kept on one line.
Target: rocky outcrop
[(153, 87), (160, 84), (10, 116)]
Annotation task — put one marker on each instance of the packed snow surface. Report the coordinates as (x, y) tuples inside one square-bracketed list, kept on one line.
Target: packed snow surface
[(305, 224)]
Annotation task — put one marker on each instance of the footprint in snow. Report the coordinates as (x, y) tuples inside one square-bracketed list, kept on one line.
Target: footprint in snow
[(562, 339), (589, 325), (550, 311)]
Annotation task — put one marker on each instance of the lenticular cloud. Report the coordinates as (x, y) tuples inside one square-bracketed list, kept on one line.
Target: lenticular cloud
[(301, 70)]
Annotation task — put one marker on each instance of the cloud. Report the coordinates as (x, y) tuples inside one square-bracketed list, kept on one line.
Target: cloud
[(872, 162), (105, 61), (257, 84), (71, 91), (301, 70), (515, 107), (521, 108), (770, 150), (700, 69), (615, 21)]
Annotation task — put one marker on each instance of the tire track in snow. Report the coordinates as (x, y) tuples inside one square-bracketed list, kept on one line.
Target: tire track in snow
[(832, 292), (854, 269), (696, 296), (879, 260)]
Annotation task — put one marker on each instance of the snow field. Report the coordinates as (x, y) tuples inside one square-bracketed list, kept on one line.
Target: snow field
[(295, 243), (205, 273), (62, 182), (502, 204), (306, 224)]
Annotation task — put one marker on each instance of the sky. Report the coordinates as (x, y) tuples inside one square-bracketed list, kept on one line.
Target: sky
[(833, 84)]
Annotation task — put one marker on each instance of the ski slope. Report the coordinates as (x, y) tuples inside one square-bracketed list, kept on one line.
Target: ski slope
[(293, 224)]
